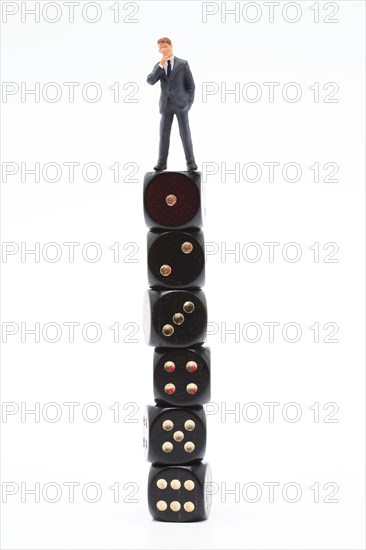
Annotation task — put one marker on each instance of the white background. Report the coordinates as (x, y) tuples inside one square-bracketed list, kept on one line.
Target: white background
[(224, 132)]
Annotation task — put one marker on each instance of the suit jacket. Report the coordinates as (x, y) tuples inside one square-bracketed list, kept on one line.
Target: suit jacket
[(179, 86)]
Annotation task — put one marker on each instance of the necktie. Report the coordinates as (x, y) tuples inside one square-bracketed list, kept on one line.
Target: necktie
[(169, 68)]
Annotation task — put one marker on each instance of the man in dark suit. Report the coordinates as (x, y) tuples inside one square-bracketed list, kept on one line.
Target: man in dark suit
[(177, 95)]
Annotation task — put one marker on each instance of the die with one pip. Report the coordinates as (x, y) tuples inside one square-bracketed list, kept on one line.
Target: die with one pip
[(172, 200)]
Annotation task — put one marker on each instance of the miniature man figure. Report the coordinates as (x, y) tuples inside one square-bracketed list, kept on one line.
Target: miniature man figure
[(177, 96)]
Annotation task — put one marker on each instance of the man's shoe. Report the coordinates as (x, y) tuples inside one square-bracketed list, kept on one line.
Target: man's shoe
[(191, 166), (160, 167)]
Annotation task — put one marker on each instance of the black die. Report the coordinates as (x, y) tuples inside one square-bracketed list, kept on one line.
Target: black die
[(175, 259), (172, 200), (182, 376), (180, 493), (174, 435), (175, 318)]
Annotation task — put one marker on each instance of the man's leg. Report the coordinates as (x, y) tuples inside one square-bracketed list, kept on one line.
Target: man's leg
[(185, 135), (165, 128)]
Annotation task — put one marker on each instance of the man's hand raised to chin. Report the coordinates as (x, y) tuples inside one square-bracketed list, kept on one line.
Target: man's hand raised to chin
[(164, 59)]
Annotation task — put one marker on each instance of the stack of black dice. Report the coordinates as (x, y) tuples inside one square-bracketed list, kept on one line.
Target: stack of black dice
[(175, 322)]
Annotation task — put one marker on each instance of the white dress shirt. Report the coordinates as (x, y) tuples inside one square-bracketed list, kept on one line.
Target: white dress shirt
[(165, 67)]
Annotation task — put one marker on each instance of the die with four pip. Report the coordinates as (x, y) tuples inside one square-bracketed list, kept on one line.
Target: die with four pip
[(175, 323)]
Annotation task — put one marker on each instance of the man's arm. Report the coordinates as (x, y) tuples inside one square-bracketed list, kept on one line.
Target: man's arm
[(189, 82), (155, 75)]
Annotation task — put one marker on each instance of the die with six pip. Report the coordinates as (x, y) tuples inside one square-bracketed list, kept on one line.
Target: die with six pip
[(180, 493)]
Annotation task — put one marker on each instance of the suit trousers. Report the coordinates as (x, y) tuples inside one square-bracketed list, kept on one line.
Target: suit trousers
[(184, 131)]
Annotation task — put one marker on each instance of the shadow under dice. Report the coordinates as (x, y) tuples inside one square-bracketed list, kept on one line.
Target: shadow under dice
[(179, 493), (175, 318), (174, 435)]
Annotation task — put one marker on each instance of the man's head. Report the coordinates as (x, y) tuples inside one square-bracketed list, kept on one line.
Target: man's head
[(165, 46)]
